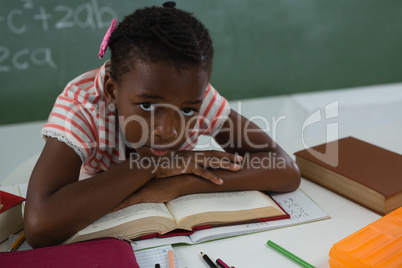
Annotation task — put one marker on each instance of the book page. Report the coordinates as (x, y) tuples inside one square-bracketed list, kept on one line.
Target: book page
[(131, 213), (297, 204), (153, 242), (224, 201)]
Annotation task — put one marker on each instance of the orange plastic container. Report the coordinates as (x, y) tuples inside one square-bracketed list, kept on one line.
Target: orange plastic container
[(379, 244)]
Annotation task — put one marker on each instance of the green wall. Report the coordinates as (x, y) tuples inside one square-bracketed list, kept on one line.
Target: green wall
[(262, 47)]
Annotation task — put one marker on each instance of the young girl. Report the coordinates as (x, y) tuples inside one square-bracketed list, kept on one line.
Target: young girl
[(124, 133)]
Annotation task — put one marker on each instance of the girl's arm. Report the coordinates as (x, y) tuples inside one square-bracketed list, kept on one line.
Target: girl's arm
[(58, 205), (265, 165), (266, 168)]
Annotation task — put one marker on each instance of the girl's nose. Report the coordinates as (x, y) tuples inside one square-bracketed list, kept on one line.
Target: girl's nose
[(166, 126)]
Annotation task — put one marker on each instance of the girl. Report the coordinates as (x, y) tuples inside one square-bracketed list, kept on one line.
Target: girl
[(124, 133)]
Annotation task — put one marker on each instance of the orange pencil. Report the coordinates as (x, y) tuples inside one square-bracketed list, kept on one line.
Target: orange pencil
[(171, 258)]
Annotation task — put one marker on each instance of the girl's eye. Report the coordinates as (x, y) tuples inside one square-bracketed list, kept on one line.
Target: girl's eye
[(188, 111), (146, 106)]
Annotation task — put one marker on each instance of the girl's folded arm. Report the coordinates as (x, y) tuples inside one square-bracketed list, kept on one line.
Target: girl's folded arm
[(265, 166), (58, 204)]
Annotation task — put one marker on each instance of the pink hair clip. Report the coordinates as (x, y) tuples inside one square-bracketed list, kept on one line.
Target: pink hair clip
[(105, 40)]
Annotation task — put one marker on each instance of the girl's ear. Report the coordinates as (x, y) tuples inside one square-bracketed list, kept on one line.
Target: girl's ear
[(109, 86)]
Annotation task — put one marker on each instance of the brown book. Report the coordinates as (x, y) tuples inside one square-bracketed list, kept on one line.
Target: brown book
[(365, 173)]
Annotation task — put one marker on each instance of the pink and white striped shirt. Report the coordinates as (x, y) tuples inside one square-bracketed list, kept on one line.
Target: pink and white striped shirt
[(81, 119)]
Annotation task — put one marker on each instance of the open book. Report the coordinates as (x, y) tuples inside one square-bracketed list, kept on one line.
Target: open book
[(183, 215), (301, 208)]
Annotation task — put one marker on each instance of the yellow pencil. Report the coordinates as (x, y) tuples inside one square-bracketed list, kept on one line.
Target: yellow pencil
[(17, 243)]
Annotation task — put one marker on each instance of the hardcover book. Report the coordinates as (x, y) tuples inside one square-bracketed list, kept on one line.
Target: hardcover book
[(183, 215), (365, 173)]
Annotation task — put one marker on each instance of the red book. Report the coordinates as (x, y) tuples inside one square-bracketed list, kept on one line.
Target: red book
[(11, 220)]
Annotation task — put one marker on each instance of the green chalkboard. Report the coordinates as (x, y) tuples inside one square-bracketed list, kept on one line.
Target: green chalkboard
[(263, 47)]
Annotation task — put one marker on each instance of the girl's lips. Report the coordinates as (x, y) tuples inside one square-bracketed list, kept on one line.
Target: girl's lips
[(158, 152)]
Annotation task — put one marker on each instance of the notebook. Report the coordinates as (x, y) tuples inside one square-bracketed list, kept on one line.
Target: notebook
[(147, 258)]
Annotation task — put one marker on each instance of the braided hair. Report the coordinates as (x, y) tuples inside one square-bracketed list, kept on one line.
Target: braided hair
[(160, 34)]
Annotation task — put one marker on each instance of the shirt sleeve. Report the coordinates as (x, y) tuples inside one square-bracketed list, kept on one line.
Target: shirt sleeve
[(71, 123), (213, 113)]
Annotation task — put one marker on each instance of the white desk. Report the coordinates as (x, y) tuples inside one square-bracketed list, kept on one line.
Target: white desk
[(369, 113)]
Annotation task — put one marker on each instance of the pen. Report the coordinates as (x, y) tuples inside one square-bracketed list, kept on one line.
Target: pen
[(171, 258), (208, 260), (221, 264), (289, 255), (17, 243)]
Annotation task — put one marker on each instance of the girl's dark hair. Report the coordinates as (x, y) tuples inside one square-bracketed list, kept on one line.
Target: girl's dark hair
[(160, 34)]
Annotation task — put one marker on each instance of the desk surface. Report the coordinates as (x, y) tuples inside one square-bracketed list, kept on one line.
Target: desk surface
[(369, 113)]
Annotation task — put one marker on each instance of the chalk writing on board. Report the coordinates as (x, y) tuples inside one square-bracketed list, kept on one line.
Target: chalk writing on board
[(22, 59), (24, 20), (87, 15), (27, 4)]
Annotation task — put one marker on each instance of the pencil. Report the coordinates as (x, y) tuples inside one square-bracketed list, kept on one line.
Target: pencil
[(221, 264), (289, 255), (17, 243), (208, 260), (171, 258)]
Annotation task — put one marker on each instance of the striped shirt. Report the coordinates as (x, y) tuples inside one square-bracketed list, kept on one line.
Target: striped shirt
[(80, 118)]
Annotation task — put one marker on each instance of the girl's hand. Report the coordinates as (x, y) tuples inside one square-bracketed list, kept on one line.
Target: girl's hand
[(196, 162), (166, 183), (155, 191)]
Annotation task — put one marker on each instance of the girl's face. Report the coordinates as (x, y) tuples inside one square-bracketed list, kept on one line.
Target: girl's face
[(158, 106)]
